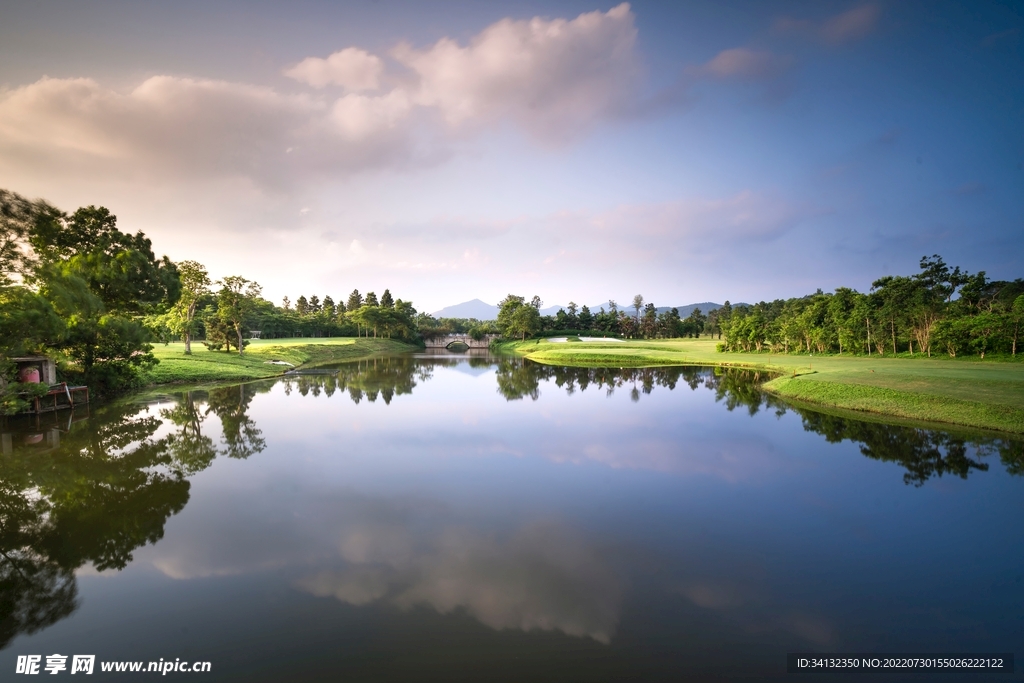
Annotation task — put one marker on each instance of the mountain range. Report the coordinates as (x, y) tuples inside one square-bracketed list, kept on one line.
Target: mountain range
[(484, 311)]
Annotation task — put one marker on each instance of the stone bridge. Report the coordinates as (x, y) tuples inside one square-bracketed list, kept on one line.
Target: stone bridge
[(448, 340)]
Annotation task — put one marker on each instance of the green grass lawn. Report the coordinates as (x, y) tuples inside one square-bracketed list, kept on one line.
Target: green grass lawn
[(988, 394), (206, 366)]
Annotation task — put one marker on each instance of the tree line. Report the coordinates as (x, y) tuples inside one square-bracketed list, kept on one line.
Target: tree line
[(939, 310), (198, 314), (519, 318)]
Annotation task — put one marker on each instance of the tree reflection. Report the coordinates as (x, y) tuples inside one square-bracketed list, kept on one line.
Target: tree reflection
[(519, 378), (369, 379), (91, 491), (923, 453), (241, 437)]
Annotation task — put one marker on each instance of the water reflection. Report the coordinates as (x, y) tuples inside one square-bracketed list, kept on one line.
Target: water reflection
[(544, 576), (923, 453), (518, 378), (94, 491), (368, 379), (76, 492)]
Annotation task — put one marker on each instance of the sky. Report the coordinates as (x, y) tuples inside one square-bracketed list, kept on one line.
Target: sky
[(686, 151)]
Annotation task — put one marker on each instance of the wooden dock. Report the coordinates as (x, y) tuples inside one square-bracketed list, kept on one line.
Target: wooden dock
[(60, 396)]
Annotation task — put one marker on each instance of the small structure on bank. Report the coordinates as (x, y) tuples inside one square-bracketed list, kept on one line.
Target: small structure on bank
[(43, 370)]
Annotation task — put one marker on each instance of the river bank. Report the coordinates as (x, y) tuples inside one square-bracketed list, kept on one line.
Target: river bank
[(984, 394), (263, 358)]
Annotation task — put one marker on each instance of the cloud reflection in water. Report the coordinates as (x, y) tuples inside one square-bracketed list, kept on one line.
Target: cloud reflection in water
[(543, 576)]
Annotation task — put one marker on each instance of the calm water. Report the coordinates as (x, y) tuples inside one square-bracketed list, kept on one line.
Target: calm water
[(467, 518)]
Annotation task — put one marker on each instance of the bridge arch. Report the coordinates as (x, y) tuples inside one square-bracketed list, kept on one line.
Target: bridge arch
[(450, 339)]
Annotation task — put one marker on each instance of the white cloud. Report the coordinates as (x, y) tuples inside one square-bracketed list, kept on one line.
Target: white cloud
[(351, 68), (550, 76), (851, 25), (846, 27), (359, 116), (743, 63), (188, 128)]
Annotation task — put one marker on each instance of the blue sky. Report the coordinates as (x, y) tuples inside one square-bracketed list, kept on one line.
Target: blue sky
[(579, 151)]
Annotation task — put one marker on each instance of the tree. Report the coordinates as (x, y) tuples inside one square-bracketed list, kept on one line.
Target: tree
[(17, 218), (100, 280), (895, 293), (195, 282), (843, 318), (120, 269), (286, 304), (236, 298), (328, 307), (984, 327), (638, 303), (385, 299), (302, 305), (649, 324), (516, 317), (1016, 317), (694, 323), (586, 319), (355, 300), (670, 325), (525, 321), (314, 304)]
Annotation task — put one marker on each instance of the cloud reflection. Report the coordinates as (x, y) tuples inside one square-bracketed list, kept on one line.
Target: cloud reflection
[(363, 551), (542, 577)]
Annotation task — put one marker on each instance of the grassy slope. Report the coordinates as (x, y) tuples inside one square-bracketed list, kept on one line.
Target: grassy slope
[(206, 366), (973, 393)]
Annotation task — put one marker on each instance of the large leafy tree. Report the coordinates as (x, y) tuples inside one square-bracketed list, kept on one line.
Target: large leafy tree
[(516, 318), (195, 283), (236, 299), (77, 284), (119, 268)]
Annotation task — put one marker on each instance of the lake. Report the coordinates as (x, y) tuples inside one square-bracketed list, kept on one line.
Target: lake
[(473, 518)]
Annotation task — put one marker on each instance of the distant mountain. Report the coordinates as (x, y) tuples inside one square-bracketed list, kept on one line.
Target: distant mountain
[(685, 311), (469, 309)]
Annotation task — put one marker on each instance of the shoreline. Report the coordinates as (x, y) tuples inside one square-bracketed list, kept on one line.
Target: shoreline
[(976, 394), (205, 366)]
